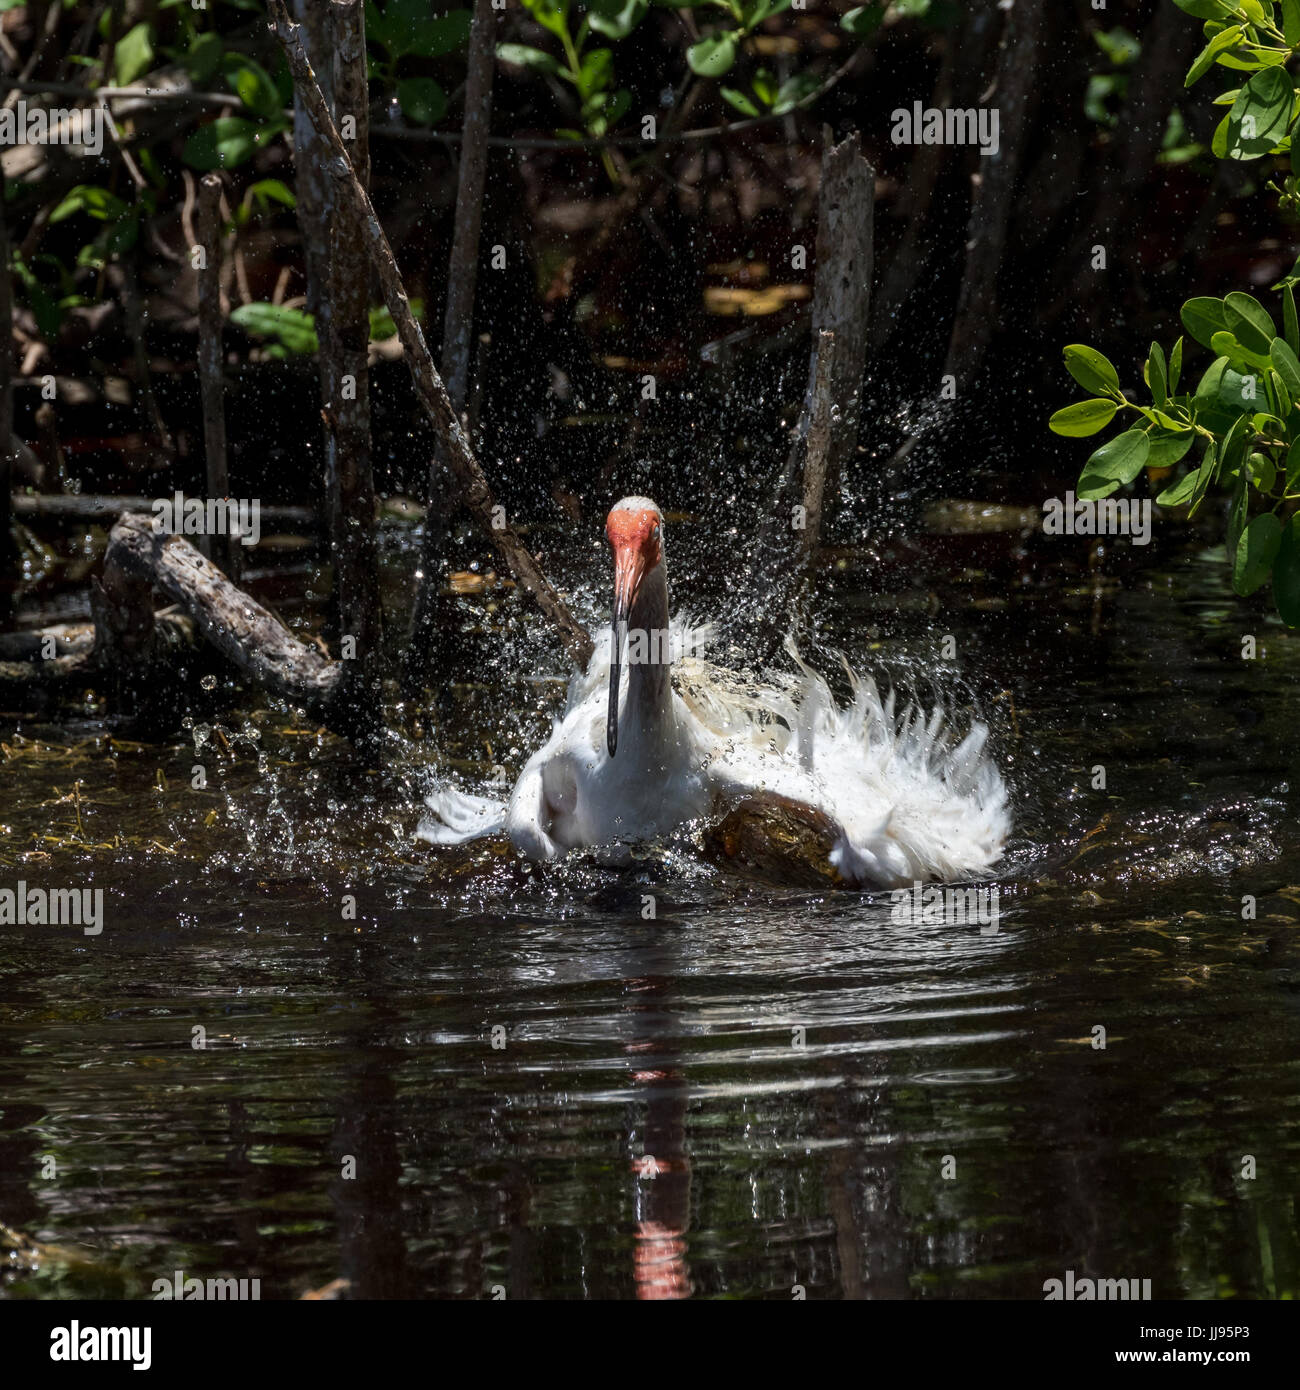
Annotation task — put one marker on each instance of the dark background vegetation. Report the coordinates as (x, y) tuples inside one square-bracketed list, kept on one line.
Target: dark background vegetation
[(676, 263)]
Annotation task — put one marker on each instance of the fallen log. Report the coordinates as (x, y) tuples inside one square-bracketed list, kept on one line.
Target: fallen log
[(246, 634)]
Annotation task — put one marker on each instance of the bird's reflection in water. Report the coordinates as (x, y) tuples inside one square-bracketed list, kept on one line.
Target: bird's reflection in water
[(661, 1166)]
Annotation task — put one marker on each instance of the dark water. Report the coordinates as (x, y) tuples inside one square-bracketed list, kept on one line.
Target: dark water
[(761, 1089)]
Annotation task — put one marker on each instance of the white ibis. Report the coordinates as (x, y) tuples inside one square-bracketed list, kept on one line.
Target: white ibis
[(647, 745)]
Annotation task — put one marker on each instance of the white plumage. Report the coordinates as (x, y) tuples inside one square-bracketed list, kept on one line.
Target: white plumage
[(905, 801)]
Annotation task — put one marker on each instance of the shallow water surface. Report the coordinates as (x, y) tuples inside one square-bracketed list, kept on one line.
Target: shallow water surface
[(449, 1073)]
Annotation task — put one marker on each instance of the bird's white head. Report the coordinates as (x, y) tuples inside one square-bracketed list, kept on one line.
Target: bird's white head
[(635, 531)]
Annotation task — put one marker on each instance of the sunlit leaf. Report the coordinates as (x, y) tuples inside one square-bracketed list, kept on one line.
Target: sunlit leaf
[(1083, 418)]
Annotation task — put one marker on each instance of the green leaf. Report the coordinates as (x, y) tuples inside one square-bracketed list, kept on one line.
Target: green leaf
[(1181, 491), (267, 191), (94, 201), (550, 14), (1091, 370), (133, 55), (739, 100), (1167, 448), (1260, 115), (1175, 366), (1226, 38), (1262, 470), (226, 142), (1289, 329), (1158, 375), (1083, 418), (521, 56), (1286, 574), (1207, 389), (863, 21), (442, 34), (1204, 476), (793, 90), (616, 18), (1257, 549), (1240, 390), (595, 71), (292, 328), (253, 85), (202, 58), (1120, 459), (1205, 9), (1090, 487), (1203, 318), (422, 100), (406, 28), (712, 57), (764, 86), (1291, 21), (1227, 345), (1293, 467), (1238, 510), (1288, 367), (1249, 321)]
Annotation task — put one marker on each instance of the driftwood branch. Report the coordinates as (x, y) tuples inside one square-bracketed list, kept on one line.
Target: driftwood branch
[(146, 651), (820, 438), (140, 559), (345, 376), (842, 288), (475, 490)]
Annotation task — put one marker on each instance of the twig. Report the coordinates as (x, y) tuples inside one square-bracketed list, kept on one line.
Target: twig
[(477, 494), (994, 194), (100, 94), (86, 508), (6, 384), (52, 16), (211, 383), (458, 321)]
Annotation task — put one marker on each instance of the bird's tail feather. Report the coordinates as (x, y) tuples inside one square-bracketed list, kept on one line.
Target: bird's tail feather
[(457, 817)]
